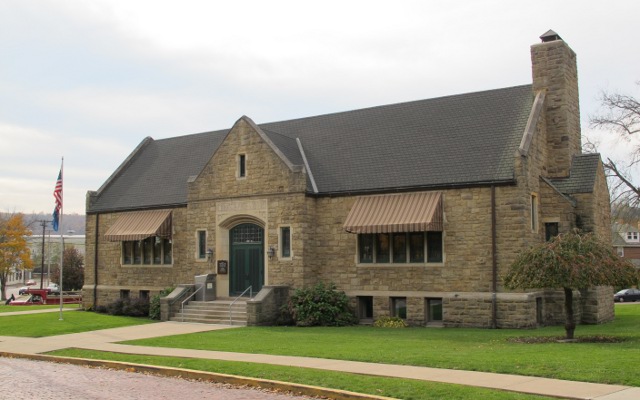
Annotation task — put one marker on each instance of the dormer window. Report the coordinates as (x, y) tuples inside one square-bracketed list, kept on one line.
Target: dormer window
[(632, 237), (242, 166)]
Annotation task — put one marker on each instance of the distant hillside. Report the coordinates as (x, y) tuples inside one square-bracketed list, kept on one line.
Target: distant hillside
[(70, 222)]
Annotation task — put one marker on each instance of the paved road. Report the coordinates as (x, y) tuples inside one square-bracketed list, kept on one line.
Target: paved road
[(38, 380)]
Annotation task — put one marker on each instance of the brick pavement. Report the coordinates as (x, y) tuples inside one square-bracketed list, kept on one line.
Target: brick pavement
[(39, 380)]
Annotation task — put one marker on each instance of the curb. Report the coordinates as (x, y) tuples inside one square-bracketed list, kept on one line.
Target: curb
[(295, 388)]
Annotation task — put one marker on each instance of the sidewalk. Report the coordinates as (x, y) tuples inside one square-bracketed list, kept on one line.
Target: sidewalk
[(106, 340)]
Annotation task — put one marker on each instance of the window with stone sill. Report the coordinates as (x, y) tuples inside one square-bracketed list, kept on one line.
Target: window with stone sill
[(285, 242), (150, 251), (201, 236), (400, 248), (242, 166)]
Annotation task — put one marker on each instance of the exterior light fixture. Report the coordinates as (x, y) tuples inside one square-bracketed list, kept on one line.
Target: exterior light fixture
[(271, 252), (209, 254)]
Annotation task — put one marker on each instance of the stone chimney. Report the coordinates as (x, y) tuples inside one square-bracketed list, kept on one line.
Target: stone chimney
[(555, 71)]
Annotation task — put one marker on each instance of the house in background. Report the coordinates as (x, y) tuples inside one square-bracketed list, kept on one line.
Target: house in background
[(626, 241), (415, 209)]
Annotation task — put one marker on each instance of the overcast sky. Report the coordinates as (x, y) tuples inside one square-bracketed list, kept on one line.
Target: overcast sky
[(89, 80)]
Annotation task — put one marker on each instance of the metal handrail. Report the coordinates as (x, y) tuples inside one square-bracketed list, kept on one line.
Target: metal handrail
[(185, 300), (250, 289)]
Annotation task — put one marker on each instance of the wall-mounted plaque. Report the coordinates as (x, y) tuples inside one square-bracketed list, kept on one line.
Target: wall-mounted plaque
[(223, 267)]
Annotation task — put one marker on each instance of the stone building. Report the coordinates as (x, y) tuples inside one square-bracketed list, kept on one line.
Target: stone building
[(414, 209)]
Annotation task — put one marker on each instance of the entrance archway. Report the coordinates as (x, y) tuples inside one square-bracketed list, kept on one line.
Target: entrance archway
[(246, 266)]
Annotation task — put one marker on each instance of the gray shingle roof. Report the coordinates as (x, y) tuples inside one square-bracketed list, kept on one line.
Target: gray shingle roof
[(456, 140), (157, 174), (582, 176)]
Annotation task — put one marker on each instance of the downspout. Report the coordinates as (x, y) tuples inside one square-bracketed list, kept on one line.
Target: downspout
[(494, 261), (95, 262)]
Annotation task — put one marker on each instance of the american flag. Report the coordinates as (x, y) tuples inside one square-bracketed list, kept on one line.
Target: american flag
[(57, 194)]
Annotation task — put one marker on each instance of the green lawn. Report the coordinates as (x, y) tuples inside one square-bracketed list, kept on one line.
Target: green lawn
[(391, 387), (466, 349), (6, 308), (49, 324)]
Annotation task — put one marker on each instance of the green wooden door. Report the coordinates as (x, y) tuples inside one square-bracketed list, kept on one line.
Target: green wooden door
[(246, 267)]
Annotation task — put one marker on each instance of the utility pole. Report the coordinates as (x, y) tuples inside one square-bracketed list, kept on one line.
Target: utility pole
[(43, 223)]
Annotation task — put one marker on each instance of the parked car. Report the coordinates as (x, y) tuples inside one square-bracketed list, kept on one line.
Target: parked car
[(31, 282), (53, 288), (627, 295), (23, 290)]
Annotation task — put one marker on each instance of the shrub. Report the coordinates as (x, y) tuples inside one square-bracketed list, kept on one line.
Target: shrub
[(138, 307), (320, 305), (154, 304), (130, 307), (115, 308), (390, 322)]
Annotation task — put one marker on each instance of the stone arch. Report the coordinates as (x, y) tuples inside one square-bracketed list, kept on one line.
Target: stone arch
[(235, 220)]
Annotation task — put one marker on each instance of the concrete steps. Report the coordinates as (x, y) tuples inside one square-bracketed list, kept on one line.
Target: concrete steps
[(213, 312)]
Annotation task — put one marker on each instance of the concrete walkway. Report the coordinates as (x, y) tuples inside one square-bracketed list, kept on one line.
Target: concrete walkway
[(106, 340)]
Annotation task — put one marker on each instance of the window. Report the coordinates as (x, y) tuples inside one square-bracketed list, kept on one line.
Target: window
[(399, 307), (167, 247), (434, 310), (400, 248), (620, 251), (124, 293), (539, 311), (144, 294), (242, 166), (285, 242), (434, 245), (382, 247), (550, 231), (365, 307), (534, 213), (202, 244), (150, 251), (632, 236), (365, 242)]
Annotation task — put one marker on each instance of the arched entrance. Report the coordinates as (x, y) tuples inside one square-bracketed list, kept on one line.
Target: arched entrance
[(246, 266)]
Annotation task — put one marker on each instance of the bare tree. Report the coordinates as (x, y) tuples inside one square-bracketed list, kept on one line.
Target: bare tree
[(620, 114)]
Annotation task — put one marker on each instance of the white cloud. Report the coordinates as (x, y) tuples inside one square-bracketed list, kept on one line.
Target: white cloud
[(90, 80)]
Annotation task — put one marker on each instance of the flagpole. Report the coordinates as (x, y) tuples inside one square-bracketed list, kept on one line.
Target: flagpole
[(61, 239)]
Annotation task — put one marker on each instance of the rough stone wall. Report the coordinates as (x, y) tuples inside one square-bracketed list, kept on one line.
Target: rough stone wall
[(113, 276), (264, 309), (555, 70), (271, 195), (594, 208), (597, 305), (555, 207)]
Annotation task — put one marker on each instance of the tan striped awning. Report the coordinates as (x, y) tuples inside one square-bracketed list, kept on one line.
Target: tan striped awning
[(407, 212), (140, 225)]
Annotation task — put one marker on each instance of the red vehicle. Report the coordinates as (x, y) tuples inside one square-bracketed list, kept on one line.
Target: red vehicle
[(43, 296)]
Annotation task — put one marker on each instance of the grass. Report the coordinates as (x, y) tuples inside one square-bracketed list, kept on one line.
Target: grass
[(391, 387), (465, 349), (48, 324), (6, 308)]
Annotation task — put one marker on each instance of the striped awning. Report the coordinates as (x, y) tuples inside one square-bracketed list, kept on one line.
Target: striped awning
[(140, 225), (407, 212)]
